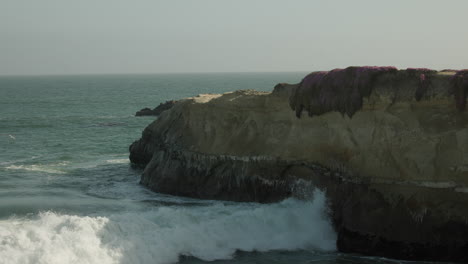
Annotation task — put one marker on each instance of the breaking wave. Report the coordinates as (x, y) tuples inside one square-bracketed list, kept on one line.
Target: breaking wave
[(118, 161), (164, 234)]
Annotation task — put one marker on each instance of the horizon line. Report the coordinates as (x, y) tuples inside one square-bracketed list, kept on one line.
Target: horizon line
[(139, 73)]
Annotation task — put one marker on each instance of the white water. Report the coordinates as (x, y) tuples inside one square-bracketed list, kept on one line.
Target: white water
[(62, 167), (162, 235), (39, 168), (118, 161)]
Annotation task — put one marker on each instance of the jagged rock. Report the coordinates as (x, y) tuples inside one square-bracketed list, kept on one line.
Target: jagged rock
[(145, 112), (388, 147), (157, 110)]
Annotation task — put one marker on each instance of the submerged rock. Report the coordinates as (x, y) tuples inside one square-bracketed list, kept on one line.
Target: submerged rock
[(388, 147), (157, 110)]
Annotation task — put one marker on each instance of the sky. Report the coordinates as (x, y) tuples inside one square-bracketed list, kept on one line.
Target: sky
[(150, 36)]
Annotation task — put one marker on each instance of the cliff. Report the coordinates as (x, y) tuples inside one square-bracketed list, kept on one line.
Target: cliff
[(389, 148)]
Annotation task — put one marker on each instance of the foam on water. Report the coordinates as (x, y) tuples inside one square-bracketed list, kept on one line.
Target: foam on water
[(165, 233), (54, 238), (54, 169), (118, 161), (64, 166), (18, 160)]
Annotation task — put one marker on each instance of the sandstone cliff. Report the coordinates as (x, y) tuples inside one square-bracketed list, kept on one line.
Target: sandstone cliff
[(389, 147)]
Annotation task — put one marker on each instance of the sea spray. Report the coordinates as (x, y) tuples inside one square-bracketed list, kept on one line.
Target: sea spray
[(54, 238), (162, 235)]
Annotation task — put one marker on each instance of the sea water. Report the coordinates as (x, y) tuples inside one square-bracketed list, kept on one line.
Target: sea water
[(69, 195)]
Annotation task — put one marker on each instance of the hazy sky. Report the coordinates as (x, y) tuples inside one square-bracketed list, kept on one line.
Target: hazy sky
[(138, 36)]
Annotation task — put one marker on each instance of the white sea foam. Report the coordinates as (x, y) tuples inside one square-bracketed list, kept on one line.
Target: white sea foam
[(40, 168), (61, 167), (18, 160), (165, 233), (118, 161), (93, 163)]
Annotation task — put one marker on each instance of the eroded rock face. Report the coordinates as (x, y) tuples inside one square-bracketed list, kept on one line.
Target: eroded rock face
[(205, 176), (390, 150), (460, 88)]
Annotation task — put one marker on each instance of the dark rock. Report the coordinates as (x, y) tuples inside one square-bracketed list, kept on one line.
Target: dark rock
[(145, 112), (460, 88), (204, 176), (157, 110), (423, 75)]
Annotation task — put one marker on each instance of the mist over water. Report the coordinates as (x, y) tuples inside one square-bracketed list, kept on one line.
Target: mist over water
[(69, 195)]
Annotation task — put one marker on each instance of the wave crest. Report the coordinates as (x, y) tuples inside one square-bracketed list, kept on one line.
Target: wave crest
[(164, 234)]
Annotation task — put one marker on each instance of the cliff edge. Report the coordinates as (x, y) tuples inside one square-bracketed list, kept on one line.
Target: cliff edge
[(388, 147)]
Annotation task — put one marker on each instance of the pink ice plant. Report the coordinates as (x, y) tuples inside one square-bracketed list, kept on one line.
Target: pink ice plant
[(339, 90)]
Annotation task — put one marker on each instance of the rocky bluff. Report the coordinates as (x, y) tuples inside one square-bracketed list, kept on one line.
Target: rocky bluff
[(388, 147)]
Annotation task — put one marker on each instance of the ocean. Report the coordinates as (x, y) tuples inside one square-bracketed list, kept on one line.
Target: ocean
[(69, 195)]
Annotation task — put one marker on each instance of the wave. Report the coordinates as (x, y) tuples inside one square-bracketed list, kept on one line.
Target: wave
[(18, 160), (40, 168), (90, 162), (118, 161), (62, 167), (164, 234)]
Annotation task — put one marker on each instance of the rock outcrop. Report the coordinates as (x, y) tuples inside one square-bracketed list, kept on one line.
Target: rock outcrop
[(157, 110), (389, 148)]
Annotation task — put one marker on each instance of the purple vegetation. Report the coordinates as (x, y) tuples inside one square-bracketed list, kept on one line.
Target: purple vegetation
[(420, 70), (459, 83), (343, 90), (339, 90)]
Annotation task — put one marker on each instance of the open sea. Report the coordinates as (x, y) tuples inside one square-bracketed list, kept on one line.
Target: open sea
[(69, 195)]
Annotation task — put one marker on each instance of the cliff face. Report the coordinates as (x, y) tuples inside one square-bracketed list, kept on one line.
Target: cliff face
[(389, 148)]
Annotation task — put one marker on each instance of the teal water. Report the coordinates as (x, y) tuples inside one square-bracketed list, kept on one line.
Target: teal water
[(69, 195)]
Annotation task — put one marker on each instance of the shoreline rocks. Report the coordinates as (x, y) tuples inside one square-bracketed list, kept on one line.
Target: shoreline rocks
[(388, 147)]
